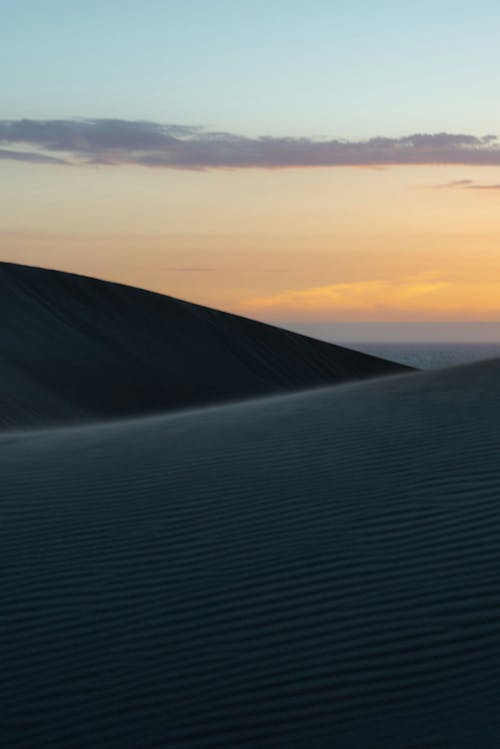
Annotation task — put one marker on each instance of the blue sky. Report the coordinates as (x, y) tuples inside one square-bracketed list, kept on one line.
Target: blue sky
[(349, 70)]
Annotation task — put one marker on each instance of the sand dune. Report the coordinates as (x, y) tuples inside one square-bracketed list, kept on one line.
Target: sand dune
[(75, 348), (310, 570), (319, 569)]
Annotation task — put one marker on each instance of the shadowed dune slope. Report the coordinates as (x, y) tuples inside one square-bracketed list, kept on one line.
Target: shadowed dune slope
[(74, 348), (318, 569)]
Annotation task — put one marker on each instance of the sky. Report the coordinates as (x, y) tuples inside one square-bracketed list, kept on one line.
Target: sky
[(319, 162)]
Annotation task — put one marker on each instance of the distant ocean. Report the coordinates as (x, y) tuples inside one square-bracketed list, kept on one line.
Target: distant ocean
[(405, 342), (429, 355)]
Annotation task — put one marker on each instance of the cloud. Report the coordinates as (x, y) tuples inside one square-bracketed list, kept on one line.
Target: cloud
[(484, 187), (32, 158), (469, 184), (370, 295), (174, 269), (456, 183), (151, 144)]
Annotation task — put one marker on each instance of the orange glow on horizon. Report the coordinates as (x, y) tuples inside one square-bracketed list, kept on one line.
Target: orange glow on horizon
[(382, 301), (303, 244)]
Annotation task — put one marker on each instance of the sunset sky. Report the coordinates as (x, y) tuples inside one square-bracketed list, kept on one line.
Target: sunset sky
[(291, 161)]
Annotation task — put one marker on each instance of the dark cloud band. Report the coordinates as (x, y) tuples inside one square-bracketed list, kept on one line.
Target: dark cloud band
[(104, 141)]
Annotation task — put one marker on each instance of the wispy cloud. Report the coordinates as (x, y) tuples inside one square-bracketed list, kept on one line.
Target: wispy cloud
[(151, 144), (369, 295), (455, 183), (484, 187), (30, 157), (176, 269), (469, 184)]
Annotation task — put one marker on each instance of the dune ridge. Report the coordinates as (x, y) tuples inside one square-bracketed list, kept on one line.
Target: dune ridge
[(305, 570), (75, 348)]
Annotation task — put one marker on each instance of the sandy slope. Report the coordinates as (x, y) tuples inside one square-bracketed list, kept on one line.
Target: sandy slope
[(75, 348), (319, 569)]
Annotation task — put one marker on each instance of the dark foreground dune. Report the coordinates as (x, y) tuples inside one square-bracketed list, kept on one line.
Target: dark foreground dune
[(75, 348), (313, 570)]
